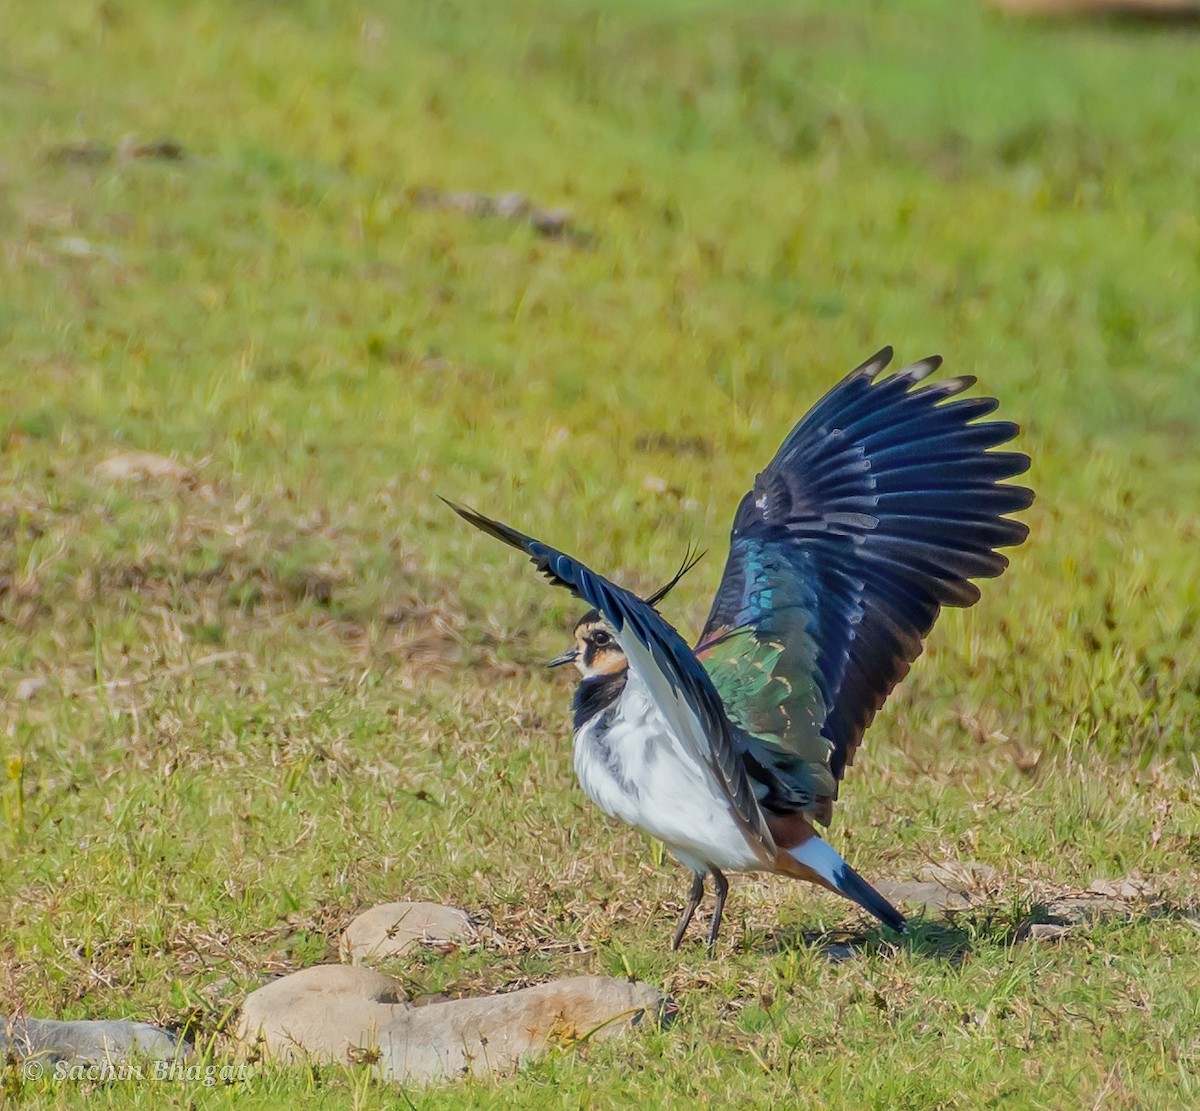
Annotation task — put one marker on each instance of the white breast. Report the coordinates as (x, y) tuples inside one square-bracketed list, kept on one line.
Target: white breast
[(633, 768)]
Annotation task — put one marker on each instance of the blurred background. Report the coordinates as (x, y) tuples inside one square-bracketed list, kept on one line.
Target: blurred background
[(584, 266)]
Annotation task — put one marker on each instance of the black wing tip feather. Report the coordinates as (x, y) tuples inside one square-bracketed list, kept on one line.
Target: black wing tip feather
[(938, 395), (921, 369), (948, 387), (546, 559), (496, 529), (1021, 462), (914, 372), (871, 368)]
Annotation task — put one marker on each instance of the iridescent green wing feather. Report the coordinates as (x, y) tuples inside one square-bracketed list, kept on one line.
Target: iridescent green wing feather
[(765, 669)]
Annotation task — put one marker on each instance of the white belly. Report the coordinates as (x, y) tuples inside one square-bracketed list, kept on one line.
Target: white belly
[(633, 768)]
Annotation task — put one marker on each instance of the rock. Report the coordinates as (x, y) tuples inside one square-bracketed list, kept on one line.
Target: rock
[(82, 153), (1128, 887), (87, 1040), (474, 204), (1046, 931), (167, 150), (554, 223), (28, 687), (142, 464), (1054, 920), (1104, 900), (932, 896), (89, 153), (329, 1013), (395, 928), (511, 206), (335, 1013), (952, 885), (496, 1033), (76, 246), (1084, 910), (551, 222), (964, 874), (1187, 11)]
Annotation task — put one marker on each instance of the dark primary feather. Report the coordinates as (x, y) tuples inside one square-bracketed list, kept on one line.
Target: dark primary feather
[(690, 559), (629, 615), (878, 509)]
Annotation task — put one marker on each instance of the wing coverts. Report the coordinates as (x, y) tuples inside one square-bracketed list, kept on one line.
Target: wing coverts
[(879, 508)]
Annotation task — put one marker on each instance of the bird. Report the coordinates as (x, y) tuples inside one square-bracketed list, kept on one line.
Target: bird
[(880, 507)]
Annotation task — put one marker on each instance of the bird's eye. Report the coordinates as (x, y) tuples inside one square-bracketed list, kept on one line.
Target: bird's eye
[(601, 639)]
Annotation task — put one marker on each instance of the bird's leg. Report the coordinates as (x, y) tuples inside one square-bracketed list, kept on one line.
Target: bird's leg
[(693, 902), (722, 886)]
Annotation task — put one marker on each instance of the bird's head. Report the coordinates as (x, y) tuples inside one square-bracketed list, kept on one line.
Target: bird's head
[(596, 651)]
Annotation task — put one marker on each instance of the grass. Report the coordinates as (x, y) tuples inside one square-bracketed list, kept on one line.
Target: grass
[(246, 702)]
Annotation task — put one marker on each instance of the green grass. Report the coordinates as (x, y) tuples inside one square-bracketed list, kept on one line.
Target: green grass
[(294, 685)]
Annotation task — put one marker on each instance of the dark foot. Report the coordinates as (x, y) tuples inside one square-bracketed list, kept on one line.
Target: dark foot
[(722, 886), (693, 902)]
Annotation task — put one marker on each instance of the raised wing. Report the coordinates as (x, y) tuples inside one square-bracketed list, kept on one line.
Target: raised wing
[(878, 509), (661, 658)]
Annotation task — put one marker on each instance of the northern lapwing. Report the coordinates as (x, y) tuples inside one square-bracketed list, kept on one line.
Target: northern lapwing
[(879, 508)]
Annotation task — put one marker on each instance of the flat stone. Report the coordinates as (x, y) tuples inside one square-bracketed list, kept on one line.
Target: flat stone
[(142, 464), (1166, 10), (1104, 900), (496, 1033), (1081, 910), (330, 1013), (949, 886), (1127, 887), (1047, 931), (394, 928), (84, 153), (167, 149), (28, 687), (550, 222), (964, 874), (511, 206), (932, 896), (91, 1041), (337, 1013)]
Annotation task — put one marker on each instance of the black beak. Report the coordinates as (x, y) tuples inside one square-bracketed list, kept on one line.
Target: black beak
[(566, 658)]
